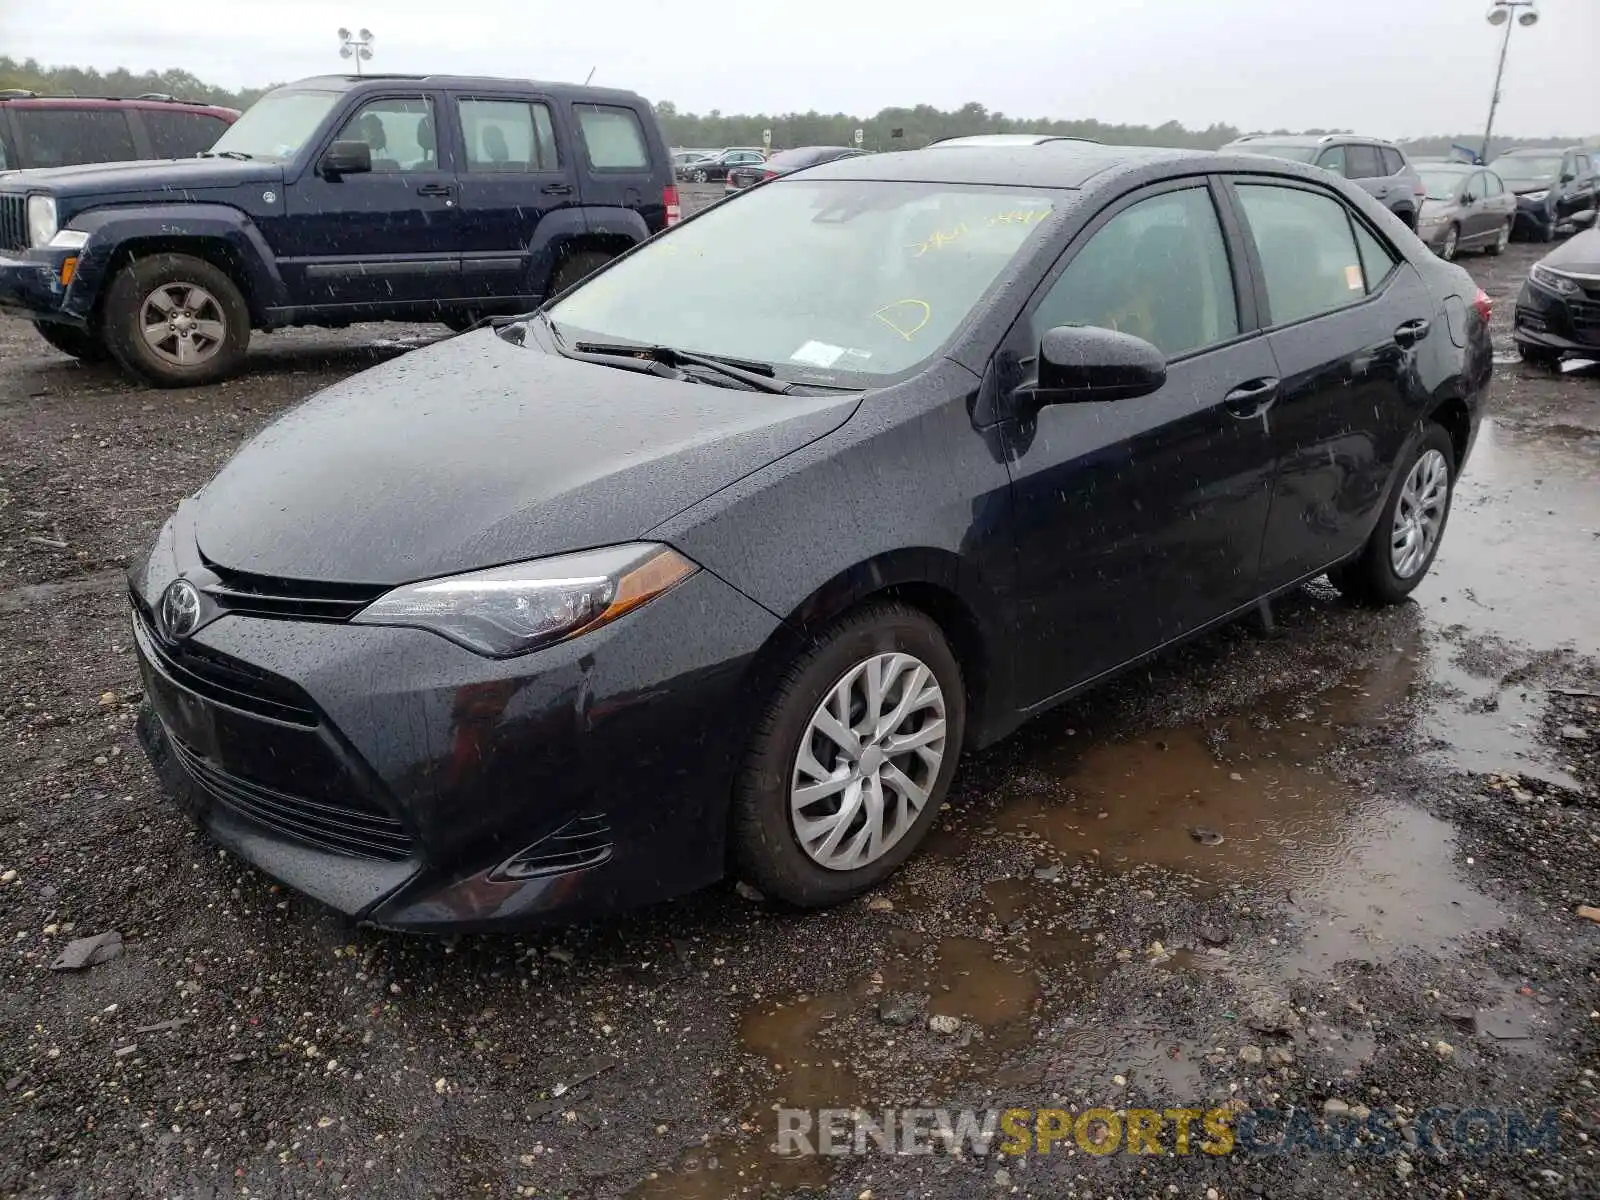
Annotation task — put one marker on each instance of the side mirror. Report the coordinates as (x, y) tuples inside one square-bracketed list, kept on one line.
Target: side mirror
[(1567, 176), (345, 158), (1468, 198), (1085, 365)]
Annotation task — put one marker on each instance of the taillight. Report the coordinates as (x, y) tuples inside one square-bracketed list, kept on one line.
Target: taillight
[(766, 175), (1482, 305), (1421, 189), (669, 198)]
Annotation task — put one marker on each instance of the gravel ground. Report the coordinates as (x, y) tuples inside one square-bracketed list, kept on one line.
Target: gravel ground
[(1333, 866)]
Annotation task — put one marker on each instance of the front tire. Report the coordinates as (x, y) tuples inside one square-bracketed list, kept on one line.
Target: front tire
[(697, 176), (176, 321), (1409, 530), (851, 758), (70, 340)]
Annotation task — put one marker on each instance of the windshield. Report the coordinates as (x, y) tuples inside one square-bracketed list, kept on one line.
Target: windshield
[(1441, 185), (1303, 154), (277, 125), (823, 280), (1527, 170)]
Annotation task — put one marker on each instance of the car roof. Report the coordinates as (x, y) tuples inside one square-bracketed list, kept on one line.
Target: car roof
[(1312, 139), (25, 99), (459, 83), (1053, 164), (1006, 139)]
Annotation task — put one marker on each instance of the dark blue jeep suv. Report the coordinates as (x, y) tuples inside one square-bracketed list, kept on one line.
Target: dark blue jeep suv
[(332, 200)]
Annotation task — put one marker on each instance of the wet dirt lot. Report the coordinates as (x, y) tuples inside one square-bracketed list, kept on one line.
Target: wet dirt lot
[(1324, 870)]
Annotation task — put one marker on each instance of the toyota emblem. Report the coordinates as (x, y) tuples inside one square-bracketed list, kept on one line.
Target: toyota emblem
[(180, 609)]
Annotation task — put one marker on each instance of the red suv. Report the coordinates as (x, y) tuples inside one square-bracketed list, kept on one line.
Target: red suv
[(67, 131)]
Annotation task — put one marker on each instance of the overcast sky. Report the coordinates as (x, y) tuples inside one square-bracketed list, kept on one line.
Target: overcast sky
[(1388, 67)]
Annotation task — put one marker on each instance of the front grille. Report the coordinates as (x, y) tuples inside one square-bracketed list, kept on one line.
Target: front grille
[(13, 222), (581, 842), (292, 599), (354, 830), (1585, 319), (227, 680)]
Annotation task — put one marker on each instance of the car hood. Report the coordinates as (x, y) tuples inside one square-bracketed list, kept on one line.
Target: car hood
[(1578, 255), (476, 452), (157, 177), (1438, 208)]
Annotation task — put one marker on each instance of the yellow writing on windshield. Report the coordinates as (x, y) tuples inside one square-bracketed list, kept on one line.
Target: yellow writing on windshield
[(939, 237), (1020, 216), (905, 317)]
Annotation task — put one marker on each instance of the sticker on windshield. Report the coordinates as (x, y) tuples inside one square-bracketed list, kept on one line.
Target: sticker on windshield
[(817, 354), (1352, 279)]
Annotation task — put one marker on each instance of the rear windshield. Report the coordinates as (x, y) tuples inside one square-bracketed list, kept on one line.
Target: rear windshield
[(823, 279), (277, 125), (1303, 154)]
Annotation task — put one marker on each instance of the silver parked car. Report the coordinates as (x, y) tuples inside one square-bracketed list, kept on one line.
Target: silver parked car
[(1378, 166), (1465, 208)]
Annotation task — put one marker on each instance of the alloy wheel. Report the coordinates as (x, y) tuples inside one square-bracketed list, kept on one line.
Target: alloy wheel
[(1503, 239), (867, 761), (183, 324), (1419, 515)]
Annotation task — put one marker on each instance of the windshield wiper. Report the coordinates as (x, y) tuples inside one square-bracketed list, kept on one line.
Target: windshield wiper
[(240, 155), (753, 374)]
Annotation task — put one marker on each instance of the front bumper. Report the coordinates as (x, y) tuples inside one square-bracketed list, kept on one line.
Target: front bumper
[(1544, 318), (30, 285), (404, 781), (1432, 236), (1534, 216)]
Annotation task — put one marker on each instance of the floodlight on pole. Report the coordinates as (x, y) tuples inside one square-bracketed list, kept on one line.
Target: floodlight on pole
[(357, 46), (1501, 14)]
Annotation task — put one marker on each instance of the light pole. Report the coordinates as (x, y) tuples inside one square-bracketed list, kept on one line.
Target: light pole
[(358, 46), (1501, 14)]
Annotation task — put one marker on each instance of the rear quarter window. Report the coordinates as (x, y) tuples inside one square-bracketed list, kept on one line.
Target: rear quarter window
[(182, 134), (1393, 161), (67, 137), (613, 139)]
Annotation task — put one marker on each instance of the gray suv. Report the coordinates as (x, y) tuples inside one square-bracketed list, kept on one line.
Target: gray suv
[(1376, 165)]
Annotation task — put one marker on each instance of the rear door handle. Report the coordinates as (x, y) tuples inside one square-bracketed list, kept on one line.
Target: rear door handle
[(557, 189), (434, 189), (1413, 331), (1251, 399)]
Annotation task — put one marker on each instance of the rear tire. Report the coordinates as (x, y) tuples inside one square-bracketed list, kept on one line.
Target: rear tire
[(208, 314), (792, 751), (1501, 241), (81, 344), (1410, 528), (1451, 243), (1538, 356), (575, 267)]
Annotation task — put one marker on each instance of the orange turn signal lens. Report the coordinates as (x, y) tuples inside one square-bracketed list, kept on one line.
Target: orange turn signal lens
[(69, 268)]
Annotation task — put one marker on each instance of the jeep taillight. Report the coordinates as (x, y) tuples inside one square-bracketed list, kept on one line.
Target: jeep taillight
[(669, 198)]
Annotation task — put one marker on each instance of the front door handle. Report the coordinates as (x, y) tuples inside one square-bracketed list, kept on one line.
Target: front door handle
[(1251, 399), (434, 189), (557, 189), (1413, 331)]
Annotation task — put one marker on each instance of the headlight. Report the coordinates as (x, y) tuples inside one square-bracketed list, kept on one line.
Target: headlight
[(41, 219), (1536, 197), (1552, 281), (506, 611)]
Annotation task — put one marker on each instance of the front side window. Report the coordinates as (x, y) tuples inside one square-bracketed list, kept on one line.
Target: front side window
[(1492, 185), (612, 137), (181, 134), (1307, 250), (508, 135), (1581, 164), (1157, 270), (399, 130), (833, 279), (278, 125), (68, 137), (1334, 159)]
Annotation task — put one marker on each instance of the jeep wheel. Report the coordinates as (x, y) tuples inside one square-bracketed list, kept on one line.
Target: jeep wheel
[(574, 268), (176, 320), (78, 343)]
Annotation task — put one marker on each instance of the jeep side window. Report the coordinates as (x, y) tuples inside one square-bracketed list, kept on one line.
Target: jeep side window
[(508, 135), (400, 132)]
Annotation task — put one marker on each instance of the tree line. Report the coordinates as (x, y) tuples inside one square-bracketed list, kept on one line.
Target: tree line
[(890, 129)]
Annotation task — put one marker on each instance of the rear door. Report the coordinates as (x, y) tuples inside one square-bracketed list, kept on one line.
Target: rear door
[(1346, 315), (515, 172), (617, 166), (390, 237)]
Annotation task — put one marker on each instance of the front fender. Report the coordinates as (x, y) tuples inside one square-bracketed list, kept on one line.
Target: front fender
[(166, 227)]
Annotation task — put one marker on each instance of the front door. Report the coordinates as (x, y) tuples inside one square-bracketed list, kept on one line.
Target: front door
[(1342, 414), (514, 174), (1139, 521), (389, 237)]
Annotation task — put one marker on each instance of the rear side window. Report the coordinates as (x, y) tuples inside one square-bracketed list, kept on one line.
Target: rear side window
[(1582, 162), (181, 134), (508, 135), (1308, 252), (612, 137), (66, 137), (1393, 161), (1362, 162)]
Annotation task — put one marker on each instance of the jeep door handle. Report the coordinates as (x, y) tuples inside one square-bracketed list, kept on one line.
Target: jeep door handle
[(1413, 331), (1251, 399), (434, 189), (557, 189)]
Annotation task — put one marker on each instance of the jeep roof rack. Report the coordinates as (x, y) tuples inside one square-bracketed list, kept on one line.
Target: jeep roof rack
[(16, 94)]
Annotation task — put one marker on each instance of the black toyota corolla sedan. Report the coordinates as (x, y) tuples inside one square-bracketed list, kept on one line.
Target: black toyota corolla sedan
[(706, 569)]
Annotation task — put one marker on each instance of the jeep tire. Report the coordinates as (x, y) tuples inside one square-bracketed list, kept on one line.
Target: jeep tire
[(81, 344), (575, 266), (176, 321)]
